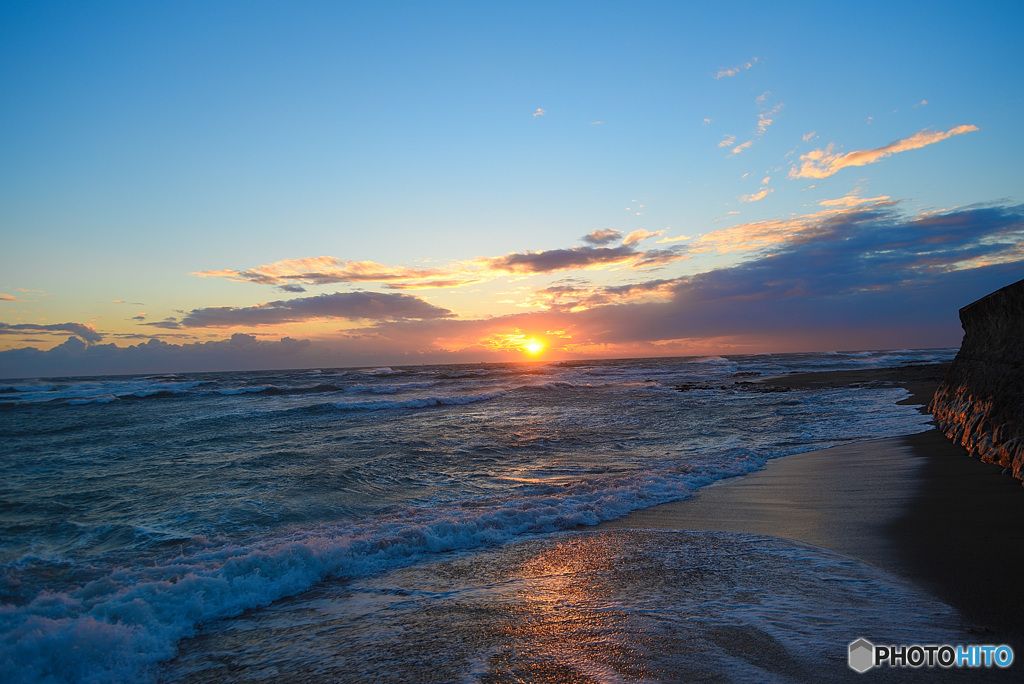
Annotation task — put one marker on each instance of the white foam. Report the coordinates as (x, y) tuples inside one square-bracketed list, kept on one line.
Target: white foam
[(121, 625), (380, 371)]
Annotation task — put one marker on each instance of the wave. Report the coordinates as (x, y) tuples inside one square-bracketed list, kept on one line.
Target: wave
[(102, 393), (712, 360), (415, 403), (557, 385), (380, 371), (391, 389), (95, 392), (119, 626)]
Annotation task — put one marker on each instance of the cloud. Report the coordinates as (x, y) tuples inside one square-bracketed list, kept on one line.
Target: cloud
[(852, 200), (79, 330), (322, 270), (863, 276), (727, 141), (239, 352), (856, 275), (4, 297), (641, 234), (764, 119), (602, 237), (678, 238), (757, 196), (769, 234), (580, 258), (742, 147), (169, 323), (437, 284), (539, 112), (726, 73), (824, 163), (344, 305), (291, 287), (575, 297)]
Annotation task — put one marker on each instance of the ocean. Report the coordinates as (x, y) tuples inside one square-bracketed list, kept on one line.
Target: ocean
[(421, 523)]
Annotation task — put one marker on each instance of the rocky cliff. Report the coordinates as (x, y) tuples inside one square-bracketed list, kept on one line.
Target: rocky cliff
[(980, 403)]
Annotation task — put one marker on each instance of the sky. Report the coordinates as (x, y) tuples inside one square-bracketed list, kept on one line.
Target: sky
[(197, 186)]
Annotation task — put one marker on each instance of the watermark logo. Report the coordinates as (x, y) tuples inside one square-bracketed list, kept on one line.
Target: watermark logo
[(865, 655)]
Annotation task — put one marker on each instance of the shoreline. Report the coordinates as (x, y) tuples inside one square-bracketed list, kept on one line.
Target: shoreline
[(916, 507)]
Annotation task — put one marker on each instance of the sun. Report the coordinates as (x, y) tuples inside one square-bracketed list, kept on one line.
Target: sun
[(533, 347)]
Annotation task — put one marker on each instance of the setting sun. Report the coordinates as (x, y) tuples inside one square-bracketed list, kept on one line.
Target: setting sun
[(533, 347)]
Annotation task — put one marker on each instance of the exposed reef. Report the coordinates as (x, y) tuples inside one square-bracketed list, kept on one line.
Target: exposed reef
[(980, 402)]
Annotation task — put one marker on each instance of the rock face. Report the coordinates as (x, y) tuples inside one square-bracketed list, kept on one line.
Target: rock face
[(980, 403)]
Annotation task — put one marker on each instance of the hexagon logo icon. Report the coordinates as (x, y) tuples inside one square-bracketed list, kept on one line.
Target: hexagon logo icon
[(862, 655)]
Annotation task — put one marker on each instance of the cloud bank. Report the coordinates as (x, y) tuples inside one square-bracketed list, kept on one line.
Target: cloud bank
[(858, 274)]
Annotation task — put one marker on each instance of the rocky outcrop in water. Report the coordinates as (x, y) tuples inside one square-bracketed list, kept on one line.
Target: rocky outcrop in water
[(980, 403)]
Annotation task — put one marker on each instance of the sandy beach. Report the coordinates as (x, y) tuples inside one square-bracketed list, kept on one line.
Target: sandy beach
[(916, 507)]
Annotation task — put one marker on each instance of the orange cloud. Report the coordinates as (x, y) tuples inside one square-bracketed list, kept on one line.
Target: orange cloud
[(325, 270), (742, 146), (852, 201), (641, 234), (757, 196), (824, 163)]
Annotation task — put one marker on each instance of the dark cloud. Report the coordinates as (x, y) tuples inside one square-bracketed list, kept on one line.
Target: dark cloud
[(580, 257), (78, 329), (602, 237), (869, 269), (291, 287), (347, 305), (166, 324)]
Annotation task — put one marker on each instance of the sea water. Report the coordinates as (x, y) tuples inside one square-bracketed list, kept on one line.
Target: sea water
[(386, 524)]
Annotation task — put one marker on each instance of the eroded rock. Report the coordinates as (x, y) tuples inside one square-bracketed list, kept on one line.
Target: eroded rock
[(980, 402)]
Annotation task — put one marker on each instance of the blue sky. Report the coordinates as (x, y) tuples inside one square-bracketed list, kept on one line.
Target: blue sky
[(416, 182)]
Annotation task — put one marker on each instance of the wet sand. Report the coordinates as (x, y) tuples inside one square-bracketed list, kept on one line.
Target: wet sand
[(917, 507)]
